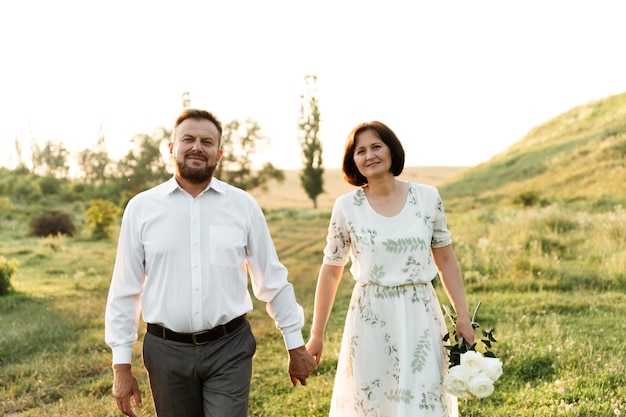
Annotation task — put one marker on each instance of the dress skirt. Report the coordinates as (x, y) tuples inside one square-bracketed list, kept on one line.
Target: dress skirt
[(392, 361)]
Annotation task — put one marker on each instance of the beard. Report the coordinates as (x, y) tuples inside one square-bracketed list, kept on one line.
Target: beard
[(194, 175)]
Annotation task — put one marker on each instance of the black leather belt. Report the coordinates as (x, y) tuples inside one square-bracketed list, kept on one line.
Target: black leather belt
[(199, 338)]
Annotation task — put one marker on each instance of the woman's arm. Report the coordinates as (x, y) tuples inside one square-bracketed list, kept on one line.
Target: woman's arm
[(452, 281), (327, 283)]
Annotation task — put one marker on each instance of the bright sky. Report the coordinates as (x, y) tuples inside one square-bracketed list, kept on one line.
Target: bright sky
[(458, 81)]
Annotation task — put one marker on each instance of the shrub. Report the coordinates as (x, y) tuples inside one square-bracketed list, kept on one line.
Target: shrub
[(100, 216), (52, 222), (528, 199), (25, 191), (6, 207), (7, 269), (50, 185)]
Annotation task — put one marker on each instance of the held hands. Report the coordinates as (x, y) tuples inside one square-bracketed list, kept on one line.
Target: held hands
[(125, 386), (301, 364)]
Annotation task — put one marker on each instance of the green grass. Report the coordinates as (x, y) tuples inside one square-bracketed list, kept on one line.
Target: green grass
[(576, 158), (551, 282)]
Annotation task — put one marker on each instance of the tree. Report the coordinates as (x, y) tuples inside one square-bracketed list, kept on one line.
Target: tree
[(144, 167), (18, 152), (93, 162), (239, 143), (311, 178), (50, 160), (186, 99)]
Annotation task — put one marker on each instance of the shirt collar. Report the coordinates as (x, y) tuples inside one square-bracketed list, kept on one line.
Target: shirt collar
[(172, 185)]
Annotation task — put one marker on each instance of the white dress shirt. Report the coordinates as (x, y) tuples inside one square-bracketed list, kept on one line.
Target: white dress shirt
[(184, 263)]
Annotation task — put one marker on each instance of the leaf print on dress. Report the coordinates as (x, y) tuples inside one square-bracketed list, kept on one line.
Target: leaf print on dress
[(406, 244), (338, 242), (362, 239), (366, 311), (412, 268), (420, 354), (354, 343), (427, 219), (359, 198), (420, 297), (378, 272), (371, 233), (391, 350), (390, 292), (400, 394), (365, 396), (432, 401)]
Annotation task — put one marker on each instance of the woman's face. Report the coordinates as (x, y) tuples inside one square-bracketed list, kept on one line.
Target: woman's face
[(372, 156)]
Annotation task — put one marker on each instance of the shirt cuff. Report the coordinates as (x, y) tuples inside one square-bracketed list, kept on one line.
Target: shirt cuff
[(293, 340), (122, 354)]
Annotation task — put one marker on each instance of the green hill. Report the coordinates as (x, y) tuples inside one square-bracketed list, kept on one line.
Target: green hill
[(578, 157)]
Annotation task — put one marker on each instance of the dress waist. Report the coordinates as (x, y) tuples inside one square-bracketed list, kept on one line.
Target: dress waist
[(408, 285)]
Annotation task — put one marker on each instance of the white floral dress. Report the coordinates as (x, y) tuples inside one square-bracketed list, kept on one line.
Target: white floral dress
[(392, 361)]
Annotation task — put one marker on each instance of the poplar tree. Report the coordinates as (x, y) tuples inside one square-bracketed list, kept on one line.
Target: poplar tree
[(311, 178)]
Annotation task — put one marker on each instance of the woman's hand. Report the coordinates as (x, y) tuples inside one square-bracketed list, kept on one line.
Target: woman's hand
[(315, 346), (465, 329)]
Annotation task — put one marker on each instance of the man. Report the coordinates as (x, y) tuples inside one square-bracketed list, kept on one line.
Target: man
[(185, 250)]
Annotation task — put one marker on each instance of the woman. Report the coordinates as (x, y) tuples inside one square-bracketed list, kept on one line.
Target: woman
[(392, 360)]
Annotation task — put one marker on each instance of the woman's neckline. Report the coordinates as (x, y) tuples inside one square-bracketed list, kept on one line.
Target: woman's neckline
[(392, 205)]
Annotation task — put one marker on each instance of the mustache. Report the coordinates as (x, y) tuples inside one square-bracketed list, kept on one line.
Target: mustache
[(197, 155)]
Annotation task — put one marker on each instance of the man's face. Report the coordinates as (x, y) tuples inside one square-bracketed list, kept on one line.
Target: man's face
[(196, 150)]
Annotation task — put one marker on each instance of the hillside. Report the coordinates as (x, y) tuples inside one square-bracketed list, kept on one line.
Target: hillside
[(579, 156), (289, 193)]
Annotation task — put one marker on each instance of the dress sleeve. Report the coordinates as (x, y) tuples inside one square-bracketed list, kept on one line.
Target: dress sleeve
[(337, 250), (441, 234)]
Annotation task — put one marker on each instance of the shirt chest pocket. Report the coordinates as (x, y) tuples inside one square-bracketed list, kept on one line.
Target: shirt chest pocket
[(226, 246)]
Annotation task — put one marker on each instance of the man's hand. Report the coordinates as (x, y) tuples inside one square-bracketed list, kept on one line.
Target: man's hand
[(125, 386), (301, 364)]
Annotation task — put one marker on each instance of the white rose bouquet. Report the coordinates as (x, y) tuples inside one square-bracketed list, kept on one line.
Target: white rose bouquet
[(471, 372)]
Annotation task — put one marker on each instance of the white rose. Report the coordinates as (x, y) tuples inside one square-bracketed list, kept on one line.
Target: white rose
[(472, 362), (456, 381), (481, 386), (493, 368)]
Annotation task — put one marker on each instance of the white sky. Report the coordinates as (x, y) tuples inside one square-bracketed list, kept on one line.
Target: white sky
[(458, 81)]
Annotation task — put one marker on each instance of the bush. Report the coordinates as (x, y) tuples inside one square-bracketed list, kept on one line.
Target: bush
[(7, 269), (25, 191), (100, 216), (528, 199), (50, 185), (52, 222)]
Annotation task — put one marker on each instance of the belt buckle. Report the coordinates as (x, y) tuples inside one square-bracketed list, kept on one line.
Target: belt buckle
[(195, 340)]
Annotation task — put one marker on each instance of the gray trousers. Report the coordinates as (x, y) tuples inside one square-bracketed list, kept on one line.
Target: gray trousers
[(211, 380)]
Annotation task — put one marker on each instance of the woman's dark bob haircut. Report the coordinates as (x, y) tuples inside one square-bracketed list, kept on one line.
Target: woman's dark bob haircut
[(350, 172)]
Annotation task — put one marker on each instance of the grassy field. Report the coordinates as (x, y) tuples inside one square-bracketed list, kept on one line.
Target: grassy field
[(552, 281)]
